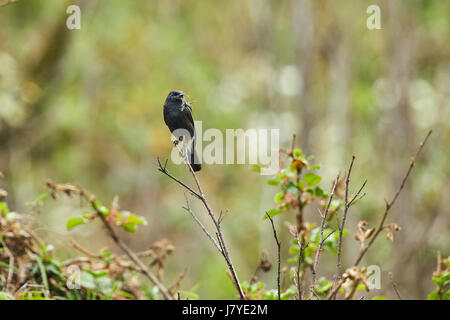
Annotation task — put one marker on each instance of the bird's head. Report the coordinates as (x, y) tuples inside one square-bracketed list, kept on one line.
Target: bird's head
[(175, 96)]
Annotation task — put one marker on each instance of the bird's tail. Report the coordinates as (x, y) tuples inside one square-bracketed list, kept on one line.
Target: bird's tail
[(194, 160)]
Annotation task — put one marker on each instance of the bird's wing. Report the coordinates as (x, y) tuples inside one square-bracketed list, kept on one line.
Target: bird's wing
[(188, 114)]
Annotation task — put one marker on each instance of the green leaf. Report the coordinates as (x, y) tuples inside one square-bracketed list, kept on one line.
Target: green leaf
[(279, 197), (282, 175), (273, 182), (75, 221), (43, 274), (6, 296), (130, 221), (255, 167), (38, 200), (271, 295), (361, 287), (4, 208), (96, 273), (87, 280), (379, 298), (272, 212), (318, 191), (434, 295), (136, 219), (442, 280), (312, 179), (289, 292), (447, 261), (297, 153), (101, 208), (294, 191), (130, 227), (301, 184)]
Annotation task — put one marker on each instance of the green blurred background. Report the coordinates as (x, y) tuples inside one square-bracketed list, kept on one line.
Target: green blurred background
[(86, 106)]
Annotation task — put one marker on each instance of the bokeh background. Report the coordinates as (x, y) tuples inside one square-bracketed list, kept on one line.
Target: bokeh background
[(86, 106)]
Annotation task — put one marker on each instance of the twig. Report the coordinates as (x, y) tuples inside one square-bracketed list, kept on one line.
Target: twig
[(386, 212), (68, 189), (201, 196), (322, 228), (11, 265), (188, 209), (167, 173), (223, 245), (178, 282), (79, 260), (344, 217), (279, 254), (77, 246), (394, 285), (302, 248), (391, 203), (133, 255)]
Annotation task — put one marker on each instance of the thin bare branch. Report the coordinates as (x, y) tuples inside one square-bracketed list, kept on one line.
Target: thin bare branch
[(279, 254), (385, 214), (163, 169), (188, 209), (302, 248), (391, 203), (344, 217), (10, 265), (177, 284), (201, 196), (321, 241), (394, 285)]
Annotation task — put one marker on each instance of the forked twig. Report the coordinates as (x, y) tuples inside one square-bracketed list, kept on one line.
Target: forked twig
[(322, 239), (201, 196), (279, 254), (348, 204), (389, 205), (189, 210)]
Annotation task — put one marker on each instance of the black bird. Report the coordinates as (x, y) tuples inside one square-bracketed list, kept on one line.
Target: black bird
[(177, 115)]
